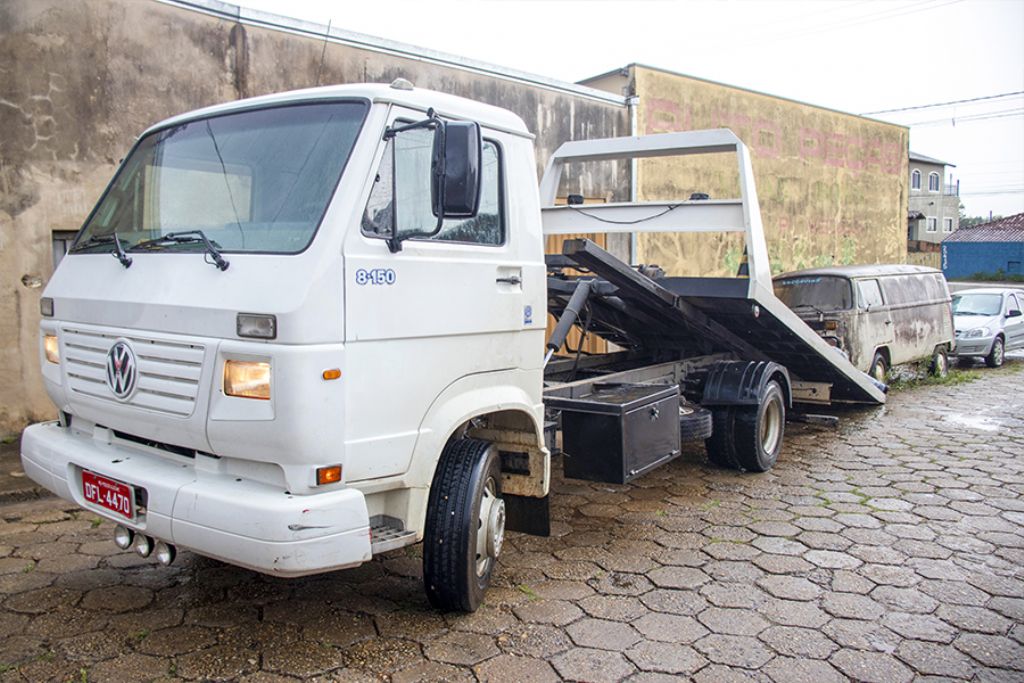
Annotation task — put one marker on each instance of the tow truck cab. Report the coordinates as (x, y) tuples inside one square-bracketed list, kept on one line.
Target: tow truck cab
[(257, 346)]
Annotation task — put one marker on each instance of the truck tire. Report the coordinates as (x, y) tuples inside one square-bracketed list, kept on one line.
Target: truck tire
[(995, 357), (695, 423), (759, 430), (465, 525), (720, 445)]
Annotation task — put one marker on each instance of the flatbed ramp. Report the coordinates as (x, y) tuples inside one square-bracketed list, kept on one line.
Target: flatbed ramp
[(679, 317), (703, 316)]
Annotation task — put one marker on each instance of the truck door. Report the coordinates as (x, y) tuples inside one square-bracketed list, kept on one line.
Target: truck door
[(440, 309), (876, 322)]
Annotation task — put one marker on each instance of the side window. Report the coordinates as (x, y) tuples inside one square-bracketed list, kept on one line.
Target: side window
[(401, 195), (1012, 304), (870, 294)]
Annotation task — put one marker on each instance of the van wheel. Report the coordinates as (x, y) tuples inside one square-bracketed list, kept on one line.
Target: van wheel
[(720, 446), (759, 430), (879, 368), (995, 357), (939, 366), (465, 525)]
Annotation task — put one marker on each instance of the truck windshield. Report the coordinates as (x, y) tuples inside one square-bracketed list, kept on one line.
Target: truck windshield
[(253, 181), (821, 293)]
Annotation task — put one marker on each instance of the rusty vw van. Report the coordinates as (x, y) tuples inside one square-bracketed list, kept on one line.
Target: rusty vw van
[(878, 315)]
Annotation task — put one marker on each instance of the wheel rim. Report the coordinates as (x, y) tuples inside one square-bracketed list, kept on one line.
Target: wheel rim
[(941, 366), (771, 425), (997, 352), (490, 533)]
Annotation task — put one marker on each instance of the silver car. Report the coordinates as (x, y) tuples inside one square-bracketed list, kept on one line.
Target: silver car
[(988, 323)]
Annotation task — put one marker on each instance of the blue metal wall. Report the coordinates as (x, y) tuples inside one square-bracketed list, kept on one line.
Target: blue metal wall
[(961, 260)]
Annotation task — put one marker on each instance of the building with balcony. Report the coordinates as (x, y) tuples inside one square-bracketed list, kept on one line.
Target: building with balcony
[(934, 200)]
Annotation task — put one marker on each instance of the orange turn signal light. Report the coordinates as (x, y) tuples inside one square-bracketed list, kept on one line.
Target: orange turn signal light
[(328, 475), (333, 373)]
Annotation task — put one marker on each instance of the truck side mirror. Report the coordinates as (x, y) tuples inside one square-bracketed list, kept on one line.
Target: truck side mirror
[(456, 166)]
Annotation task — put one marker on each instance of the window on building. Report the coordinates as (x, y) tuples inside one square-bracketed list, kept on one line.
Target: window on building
[(915, 180), (62, 240), (947, 225), (933, 182), (933, 224)]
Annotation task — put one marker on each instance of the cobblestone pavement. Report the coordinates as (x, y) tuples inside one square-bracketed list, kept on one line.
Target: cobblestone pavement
[(888, 551)]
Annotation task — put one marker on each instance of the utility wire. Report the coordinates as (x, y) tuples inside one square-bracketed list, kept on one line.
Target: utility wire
[(945, 104), (954, 120)]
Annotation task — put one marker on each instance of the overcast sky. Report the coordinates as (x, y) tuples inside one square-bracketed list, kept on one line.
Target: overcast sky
[(858, 56)]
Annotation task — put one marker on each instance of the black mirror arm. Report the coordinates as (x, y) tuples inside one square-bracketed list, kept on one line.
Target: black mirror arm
[(433, 121)]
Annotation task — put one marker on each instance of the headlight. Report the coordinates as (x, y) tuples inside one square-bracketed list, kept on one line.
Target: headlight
[(977, 332), (247, 379), (52, 348)]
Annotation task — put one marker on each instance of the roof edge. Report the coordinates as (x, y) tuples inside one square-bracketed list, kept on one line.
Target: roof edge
[(332, 34)]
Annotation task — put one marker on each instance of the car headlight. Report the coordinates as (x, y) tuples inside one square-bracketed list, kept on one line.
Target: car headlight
[(247, 379), (52, 348), (977, 332)]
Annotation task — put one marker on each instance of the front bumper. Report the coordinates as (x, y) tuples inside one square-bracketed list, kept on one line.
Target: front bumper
[(973, 347), (192, 505)]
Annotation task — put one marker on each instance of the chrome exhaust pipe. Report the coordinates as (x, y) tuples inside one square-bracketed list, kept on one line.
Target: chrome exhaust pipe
[(165, 553)]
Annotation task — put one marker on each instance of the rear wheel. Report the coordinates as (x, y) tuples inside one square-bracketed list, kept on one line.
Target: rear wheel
[(939, 366), (759, 430), (695, 423), (720, 447), (879, 368), (465, 525), (995, 357)]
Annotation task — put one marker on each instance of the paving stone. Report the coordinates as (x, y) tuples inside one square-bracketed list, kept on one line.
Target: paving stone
[(793, 641), (678, 577), (460, 647), (795, 670), (977, 619), (851, 606), (586, 664), (737, 622), (127, 668), (433, 671), (741, 651), (603, 634), (554, 612), (871, 667), (936, 660), (668, 658), (514, 668), (174, 641), (995, 651), (534, 640), (789, 587)]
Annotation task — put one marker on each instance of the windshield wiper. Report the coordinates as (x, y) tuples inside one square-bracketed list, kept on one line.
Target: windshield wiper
[(188, 237), (118, 251), (816, 309)]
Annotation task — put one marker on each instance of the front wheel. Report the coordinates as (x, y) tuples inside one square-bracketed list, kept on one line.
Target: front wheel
[(939, 366), (465, 526), (879, 368), (759, 430), (995, 357)]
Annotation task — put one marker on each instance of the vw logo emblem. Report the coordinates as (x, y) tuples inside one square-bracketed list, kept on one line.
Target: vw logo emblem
[(122, 370)]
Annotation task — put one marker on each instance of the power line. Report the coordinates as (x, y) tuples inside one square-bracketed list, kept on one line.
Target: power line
[(953, 120), (945, 104)]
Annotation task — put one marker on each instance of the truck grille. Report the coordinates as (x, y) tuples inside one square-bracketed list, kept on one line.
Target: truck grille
[(168, 372)]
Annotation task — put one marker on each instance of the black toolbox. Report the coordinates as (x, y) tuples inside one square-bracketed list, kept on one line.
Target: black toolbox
[(619, 431)]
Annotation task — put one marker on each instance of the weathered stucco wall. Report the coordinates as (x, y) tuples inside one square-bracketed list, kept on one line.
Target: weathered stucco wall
[(832, 186), (79, 81)]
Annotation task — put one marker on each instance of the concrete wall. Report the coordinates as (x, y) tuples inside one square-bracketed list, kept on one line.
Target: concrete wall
[(832, 186), (79, 80), (962, 260)]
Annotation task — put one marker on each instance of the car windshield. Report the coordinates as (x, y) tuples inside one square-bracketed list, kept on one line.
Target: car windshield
[(817, 292), (252, 181), (977, 304)]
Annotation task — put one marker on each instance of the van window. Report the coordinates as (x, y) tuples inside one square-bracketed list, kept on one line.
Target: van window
[(869, 293), (825, 293), (907, 289)]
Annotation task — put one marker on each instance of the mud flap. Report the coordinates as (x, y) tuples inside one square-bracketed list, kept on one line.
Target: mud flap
[(528, 515)]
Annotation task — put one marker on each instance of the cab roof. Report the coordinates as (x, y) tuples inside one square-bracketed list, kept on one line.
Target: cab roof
[(415, 98)]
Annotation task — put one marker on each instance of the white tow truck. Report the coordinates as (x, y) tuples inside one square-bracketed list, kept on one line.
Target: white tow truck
[(303, 329)]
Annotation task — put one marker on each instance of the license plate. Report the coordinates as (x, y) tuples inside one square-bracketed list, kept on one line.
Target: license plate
[(108, 493)]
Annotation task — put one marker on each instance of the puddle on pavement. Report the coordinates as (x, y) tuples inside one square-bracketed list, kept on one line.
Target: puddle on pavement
[(981, 422)]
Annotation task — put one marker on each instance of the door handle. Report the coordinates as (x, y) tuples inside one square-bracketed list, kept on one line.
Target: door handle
[(510, 280), (888, 322)]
